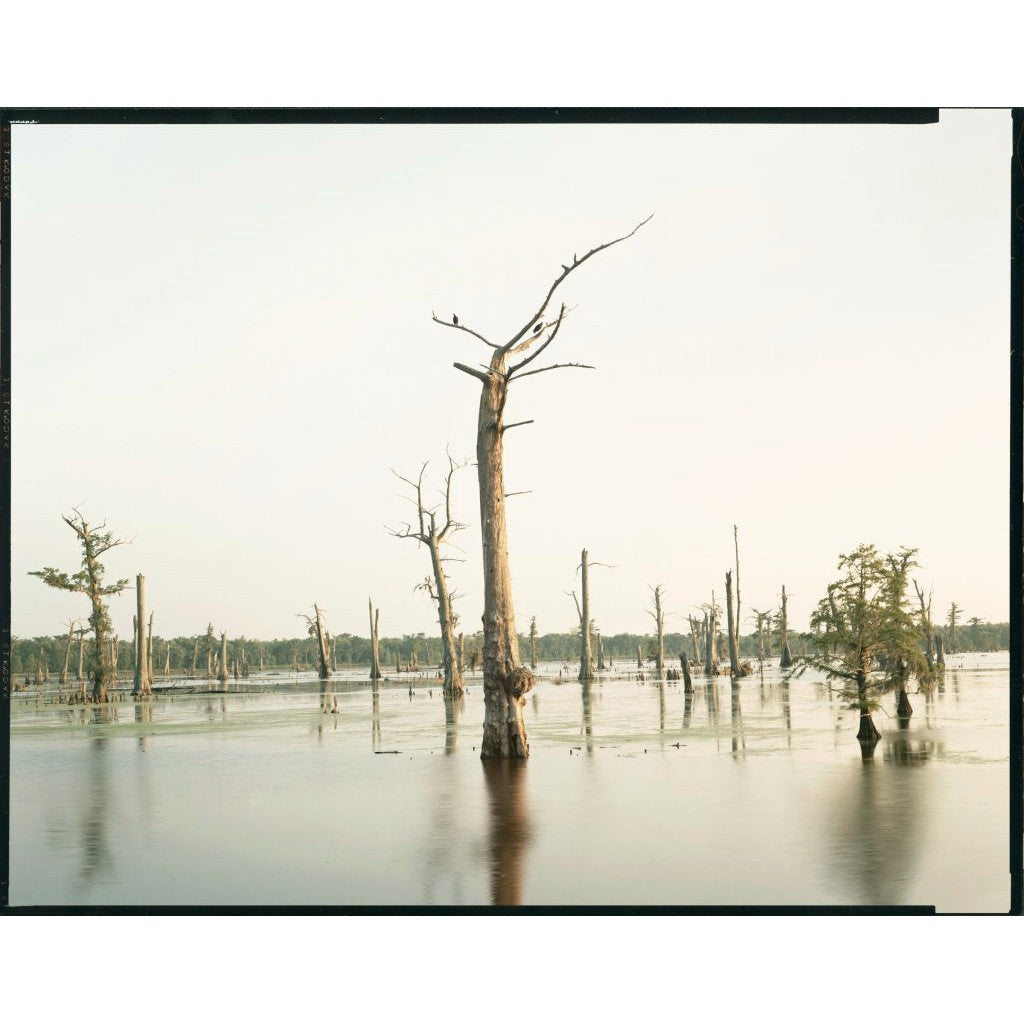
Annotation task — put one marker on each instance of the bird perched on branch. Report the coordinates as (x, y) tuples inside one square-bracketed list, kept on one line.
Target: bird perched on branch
[(536, 329), (455, 319)]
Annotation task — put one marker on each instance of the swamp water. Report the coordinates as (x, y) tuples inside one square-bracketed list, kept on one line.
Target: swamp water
[(632, 795)]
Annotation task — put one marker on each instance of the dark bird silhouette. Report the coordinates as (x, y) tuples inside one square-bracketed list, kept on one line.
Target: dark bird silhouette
[(536, 329), (455, 320)]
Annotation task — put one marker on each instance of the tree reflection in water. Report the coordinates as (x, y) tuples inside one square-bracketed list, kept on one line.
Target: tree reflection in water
[(739, 742), (588, 722), (876, 841), (453, 706), (375, 718), (143, 716), (786, 715), (510, 831), (96, 859)]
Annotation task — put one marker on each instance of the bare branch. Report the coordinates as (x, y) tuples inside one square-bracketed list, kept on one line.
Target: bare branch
[(462, 327), (566, 271), (473, 373), (550, 338), (509, 426), (512, 494)]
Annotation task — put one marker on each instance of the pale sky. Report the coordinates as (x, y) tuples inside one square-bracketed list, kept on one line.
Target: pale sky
[(222, 344)]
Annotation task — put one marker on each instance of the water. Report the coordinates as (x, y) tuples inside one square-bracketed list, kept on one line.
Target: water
[(635, 796)]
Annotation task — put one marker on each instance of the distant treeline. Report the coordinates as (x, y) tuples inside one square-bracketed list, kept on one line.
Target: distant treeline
[(47, 653)]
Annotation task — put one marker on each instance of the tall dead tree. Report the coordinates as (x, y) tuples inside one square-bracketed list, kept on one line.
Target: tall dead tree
[(658, 614), (375, 672), (167, 657), (600, 652), (734, 656), (533, 642), (209, 651), (927, 631), (149, 655), (317, 631), (762, 622), (583, 610), (80, 676), (711, 637), (89, 581), (195, 656), (952, 621), (141, 685), (434, 536), (73, 631), (222, 671), (785, 657), (506, 679)]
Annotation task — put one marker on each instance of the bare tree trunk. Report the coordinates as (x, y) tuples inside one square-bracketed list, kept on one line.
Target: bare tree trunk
[(167, 657), (81, 658), (462, 653), (940, 654), (140, 646), (222, 674), (785, 657), (711, 645), (446, 620), (375, 672), (867, 733), (600, 653), (586, 657), (659, 622), (639, 657), (67, 655), (687, 681), (734, 658), (736, 543), (506, 679), (149, 657), (195, 656), (321, 644), (209, 651), (533, 643)]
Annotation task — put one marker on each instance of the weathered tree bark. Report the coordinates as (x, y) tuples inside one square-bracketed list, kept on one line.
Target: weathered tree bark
[(639, 657), (583, 611), (149, 656), (167, 657), (195, 656), (222, 675), (867, 733), (785, 657), (734, 658), (927, 633), (375, 672), (940, 654), (142, 683), (658, 614), (506, 679), (711, 643), (316, 625), (81, 657), (209, 651), (67, 655), (533, 642), (687, 681), (600, 653)]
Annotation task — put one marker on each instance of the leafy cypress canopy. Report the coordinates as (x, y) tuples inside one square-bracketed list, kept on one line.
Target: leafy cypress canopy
[(863, 631)]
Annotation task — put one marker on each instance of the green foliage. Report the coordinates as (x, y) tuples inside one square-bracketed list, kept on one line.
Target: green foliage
[(864, 634)]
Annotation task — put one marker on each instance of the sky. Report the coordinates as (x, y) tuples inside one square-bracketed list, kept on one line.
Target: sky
[(222, 345)]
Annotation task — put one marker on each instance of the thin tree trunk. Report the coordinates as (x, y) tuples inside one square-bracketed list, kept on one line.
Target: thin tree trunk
[(462, 653), (452, 673), (687, 681), (600, 653), (209, 651), (149, 657), (167, 657), (785, 657), (586, 657), (81, 658), (67, 656), (867, 733), (639, 657), (940, 654), (139, 686), (321, 644), (375, 672), (734, 658), (533, 643), (222, 673)]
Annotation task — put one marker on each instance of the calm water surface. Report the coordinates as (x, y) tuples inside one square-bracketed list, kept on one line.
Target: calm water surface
[(633, 794)]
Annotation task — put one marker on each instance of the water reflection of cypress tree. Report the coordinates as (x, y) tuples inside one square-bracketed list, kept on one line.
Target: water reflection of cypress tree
[(509, 832), (687, 709), (375, 718), (786, 716), (96, 859)]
